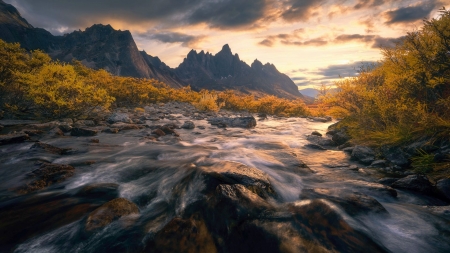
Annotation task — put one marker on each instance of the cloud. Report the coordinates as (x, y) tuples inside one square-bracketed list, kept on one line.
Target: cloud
[(343, 38), (174, 37), (363, 4), (301, 10), (411, 13), (222, 14), (342, 70)]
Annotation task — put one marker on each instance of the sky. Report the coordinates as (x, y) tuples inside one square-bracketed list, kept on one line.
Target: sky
[(314, 42)]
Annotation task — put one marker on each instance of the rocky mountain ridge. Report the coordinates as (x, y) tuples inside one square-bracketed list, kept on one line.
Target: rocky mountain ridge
[(103, 47)]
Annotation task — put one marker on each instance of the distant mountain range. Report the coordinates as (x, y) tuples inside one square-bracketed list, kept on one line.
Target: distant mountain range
[(102, 47)]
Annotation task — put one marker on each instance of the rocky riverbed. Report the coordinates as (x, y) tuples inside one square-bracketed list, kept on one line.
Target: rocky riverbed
[(168, 178)]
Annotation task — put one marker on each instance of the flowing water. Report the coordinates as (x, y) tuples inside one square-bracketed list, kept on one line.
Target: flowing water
[(149, 173)]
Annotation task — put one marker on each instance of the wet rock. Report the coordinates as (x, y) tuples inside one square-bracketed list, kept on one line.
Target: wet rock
[(243, 122), (321, 223), (56, 132), (364, 155), (320, 119), (419, 183), (373, 189), (353, 167), (443, 188), (348, 150), (94, 141), (183, 235), (378, 164), (110, 211), (119, 117), (262, 116), (170, 129), (316, 133), (124, 126), (188, 125), (314, 146), (49, 148), (111, 130), (158, 132), (65, 128), (353, 203), (13, 138), (83, 132), (84, 123), (325, 142), (46, 175)]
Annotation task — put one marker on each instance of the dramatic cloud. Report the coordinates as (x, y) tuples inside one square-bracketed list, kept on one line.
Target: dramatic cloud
[(223, 14), (343, 70), (172, 37), (301, 10), (362, 4), (411, 13)]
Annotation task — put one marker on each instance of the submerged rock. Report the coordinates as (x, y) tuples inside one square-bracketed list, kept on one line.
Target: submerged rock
[(46, 175), (119, 117), (243, 122), (49, 148), (83, 132), (109, 212), (188, 125)]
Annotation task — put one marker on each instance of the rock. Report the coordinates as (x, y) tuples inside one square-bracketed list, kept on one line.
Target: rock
[(119, 117), (158, 132), (340, 137), (13, 138), (65, 128), (188, 125), (99, 190), (353, 167), (320, 119), (396, 156), (320, 141), (111, 130), (47, 174), (353, 203), (418, 183), (314, 146), (322, 223), (125, 126), (387, 181), (56, 132), (372, 189), (364, 155), (1, 128), (84, 123), (94, 141), (83, 132), (348, 144), (378, 164), (110, 211), (443, 188), (262, 116), (32, 132), (243, 122), (348, 150), (316, 133), (49, 148), (170, 129), (182, 235)]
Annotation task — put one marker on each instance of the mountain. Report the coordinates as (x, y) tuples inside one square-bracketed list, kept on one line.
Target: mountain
[(103, 47), (226, 71), (310, 92)]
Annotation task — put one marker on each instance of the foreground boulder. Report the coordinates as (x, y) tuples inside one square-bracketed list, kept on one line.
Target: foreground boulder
[(188, 125), (418, 183), (109, 212), (13, 138), (243, 122)]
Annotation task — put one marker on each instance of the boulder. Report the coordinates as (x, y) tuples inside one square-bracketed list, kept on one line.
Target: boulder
[(119, 117), (320, 119), (387, 181), (13, 138), (188, 125), (111, 130), (340, 137), (158, 132), (108, 212), (363, 154), (314, 146), (47, 174), (418, 183), (99, 191), (443, 188), (32, 132), (243, 122), (396, 156), (316, 133), (378, 164), (65, 128), (83, 132), (49, 148)]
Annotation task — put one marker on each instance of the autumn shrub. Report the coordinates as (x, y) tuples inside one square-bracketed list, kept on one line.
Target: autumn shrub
[(207, 101), (406, 95)]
